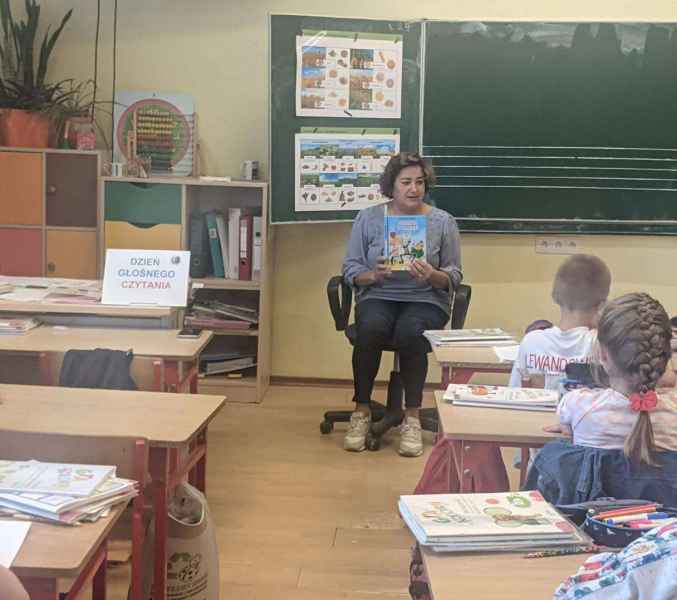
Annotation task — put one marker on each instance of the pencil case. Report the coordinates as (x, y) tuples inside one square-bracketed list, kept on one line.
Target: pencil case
[(616, 536)]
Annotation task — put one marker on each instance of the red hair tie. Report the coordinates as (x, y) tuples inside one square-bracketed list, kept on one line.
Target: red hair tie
[(645, 402)]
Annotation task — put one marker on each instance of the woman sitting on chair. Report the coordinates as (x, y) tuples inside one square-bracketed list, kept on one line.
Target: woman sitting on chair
[(397, 306)]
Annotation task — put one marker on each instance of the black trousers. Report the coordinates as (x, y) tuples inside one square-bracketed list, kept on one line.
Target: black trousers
[(381, 322)]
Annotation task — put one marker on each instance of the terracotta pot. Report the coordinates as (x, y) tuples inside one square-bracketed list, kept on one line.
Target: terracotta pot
[(23, 128)]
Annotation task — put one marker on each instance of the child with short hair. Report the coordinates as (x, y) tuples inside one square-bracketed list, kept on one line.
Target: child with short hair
[(580, 288), (634, 334)]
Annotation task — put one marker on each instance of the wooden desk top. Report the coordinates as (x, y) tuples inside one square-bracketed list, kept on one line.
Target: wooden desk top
[(471, 356), (163, 419), (494, 424), (108, 310), (161, 343), (497, 576), (56, 551)]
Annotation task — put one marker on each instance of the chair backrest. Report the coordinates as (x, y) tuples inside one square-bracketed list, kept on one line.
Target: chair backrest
[(129, 455), (340, 296)]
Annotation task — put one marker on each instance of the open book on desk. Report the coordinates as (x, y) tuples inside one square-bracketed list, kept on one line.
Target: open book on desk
[(495, 396)]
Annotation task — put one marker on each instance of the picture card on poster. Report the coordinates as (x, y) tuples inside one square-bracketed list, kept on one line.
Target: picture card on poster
[(341, 171), (348, 76), (155, 277)]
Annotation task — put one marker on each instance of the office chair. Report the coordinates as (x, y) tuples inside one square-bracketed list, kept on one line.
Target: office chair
[(340, 296)]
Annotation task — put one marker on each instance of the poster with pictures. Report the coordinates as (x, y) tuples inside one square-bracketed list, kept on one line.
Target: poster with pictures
[(348, 77), (341, 171)]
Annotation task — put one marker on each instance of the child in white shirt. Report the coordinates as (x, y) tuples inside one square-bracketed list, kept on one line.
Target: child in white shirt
[(580, 288), (634, 334)]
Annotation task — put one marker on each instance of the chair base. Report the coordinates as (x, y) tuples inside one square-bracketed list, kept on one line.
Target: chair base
[(383, 417)]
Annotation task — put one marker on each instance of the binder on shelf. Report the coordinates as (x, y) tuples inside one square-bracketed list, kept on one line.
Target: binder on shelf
[(214, 244), (234, 242), (246, 240), (223, 241), (200, 260), (258, 245)]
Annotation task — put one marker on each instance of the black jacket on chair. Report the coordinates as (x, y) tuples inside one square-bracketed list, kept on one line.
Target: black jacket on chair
[(100, 368)]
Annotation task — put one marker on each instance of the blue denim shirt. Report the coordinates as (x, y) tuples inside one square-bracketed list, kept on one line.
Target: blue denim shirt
[(566, 474)]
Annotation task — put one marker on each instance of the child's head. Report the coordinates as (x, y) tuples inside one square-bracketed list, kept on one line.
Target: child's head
[(634, 334), (581, 284)]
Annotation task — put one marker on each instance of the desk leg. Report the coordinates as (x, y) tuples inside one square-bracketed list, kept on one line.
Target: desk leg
[(461, 375), (40, 589), (171, 375), (46, 369), (193, 377), (99, 580), (200, 475), (446, 376), (159, 471), (480, 467)]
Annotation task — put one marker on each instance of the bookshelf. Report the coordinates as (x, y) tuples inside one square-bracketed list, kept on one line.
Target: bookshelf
[(155, 214), (48, 208)]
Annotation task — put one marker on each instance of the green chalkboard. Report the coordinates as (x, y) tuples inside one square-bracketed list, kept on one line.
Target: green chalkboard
[(564, 127), (284, 123)]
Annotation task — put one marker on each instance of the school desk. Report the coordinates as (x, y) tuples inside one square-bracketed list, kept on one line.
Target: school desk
[(52, 554), (497, 576), (460, 363), (175, 426), (95, 314), (477, 434), (175, 360)]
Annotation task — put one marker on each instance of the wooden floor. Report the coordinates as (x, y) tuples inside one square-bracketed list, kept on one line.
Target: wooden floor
[(296, 515)]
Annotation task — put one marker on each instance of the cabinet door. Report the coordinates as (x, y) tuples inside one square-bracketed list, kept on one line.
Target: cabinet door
[(20, 252), (71, 190), (71, 254), (21, 188)]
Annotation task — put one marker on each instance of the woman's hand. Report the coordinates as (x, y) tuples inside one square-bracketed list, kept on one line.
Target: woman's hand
[(381, 271), (420, 269), (375, 277)]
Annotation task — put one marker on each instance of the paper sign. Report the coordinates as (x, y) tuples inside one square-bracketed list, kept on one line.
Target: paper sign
[(157, 277)]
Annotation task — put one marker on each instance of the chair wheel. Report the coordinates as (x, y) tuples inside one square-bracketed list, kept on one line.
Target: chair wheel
[(373, 443), (326, 427)]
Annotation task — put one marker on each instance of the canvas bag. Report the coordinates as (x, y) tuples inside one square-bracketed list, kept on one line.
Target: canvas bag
[(192, 556)]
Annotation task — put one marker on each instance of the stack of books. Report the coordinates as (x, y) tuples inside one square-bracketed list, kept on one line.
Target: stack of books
[(217, 316), (469, 337), (496, 396), (62, 493), (213, 363), (17, 325), (488, 522)]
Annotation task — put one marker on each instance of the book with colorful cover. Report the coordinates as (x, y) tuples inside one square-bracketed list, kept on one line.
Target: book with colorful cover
[(496, 396), (405, 240), (52, 478), (440, 519)]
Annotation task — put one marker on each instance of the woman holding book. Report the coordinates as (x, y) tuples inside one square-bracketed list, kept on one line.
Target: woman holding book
[(398, 299)]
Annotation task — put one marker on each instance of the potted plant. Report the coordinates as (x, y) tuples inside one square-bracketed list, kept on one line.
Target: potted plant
[(28, 104)]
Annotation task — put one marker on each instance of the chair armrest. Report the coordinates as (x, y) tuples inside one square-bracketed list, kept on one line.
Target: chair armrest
[(459, 309), (340, 296)]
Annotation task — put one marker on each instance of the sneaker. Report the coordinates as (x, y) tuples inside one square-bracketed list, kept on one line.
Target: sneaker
[(356, 436), (411, 442)]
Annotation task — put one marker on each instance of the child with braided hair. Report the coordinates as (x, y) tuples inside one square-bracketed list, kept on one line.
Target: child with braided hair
[(633, 347)]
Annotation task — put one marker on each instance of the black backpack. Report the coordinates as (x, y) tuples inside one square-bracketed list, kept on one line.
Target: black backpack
[(100, 368)]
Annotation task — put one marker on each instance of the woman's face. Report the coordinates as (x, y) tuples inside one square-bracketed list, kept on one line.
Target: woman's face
[(409, 189)]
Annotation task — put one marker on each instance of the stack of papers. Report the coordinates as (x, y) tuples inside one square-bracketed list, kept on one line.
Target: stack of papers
[(17, 325), (495, 396), (65, 493), (487, 522), (469, 337)]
